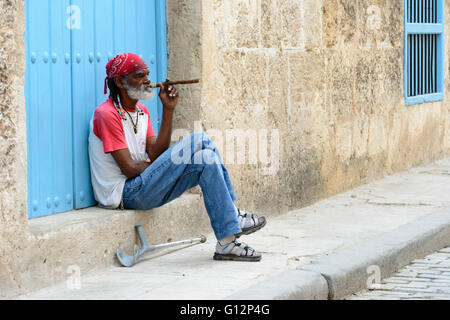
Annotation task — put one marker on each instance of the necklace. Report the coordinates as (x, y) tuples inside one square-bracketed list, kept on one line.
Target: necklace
[(122, 111), (135, 126)]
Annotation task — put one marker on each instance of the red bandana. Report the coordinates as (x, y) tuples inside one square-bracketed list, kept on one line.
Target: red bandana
[(123, 63)]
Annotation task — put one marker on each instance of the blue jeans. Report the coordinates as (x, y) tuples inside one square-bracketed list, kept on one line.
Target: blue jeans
[(192, 161)]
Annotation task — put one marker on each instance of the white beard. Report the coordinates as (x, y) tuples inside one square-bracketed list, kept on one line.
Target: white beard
[(144, 93)]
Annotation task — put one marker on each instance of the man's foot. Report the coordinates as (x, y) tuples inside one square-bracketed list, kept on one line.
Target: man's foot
[(249, 222), (236, 251)]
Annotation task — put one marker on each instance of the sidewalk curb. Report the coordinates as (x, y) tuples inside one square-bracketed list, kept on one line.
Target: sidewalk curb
[(347, 271), (288, 285)]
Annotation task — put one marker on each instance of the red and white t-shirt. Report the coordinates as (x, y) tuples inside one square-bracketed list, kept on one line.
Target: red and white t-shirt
[(109, 132)]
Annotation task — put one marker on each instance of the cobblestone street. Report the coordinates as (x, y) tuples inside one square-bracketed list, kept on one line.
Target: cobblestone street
[(423, 279)]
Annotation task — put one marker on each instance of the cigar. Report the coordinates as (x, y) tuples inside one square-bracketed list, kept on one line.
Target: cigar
[(156, 85)]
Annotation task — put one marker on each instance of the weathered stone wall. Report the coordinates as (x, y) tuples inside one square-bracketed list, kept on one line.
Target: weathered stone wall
[(327, 74), (13, 168), (185, 57)]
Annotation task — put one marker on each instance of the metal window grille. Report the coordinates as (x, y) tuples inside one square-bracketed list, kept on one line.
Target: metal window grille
[(424, 33)]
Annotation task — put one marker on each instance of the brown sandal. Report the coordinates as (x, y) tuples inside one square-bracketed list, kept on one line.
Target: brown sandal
[(249, 222), (236, 251)]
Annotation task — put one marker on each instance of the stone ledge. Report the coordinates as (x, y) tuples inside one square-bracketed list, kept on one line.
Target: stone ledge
[(88, 238), (42, 227), (167, 220)]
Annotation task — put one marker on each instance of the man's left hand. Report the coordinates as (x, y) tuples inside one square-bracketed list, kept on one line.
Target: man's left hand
[(169, 96)]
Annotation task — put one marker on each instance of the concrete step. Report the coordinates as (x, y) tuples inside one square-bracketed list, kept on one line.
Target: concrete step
[(88, 238)]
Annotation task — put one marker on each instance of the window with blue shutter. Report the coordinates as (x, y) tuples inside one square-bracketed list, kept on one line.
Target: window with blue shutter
[(69, 43), (424, 51)]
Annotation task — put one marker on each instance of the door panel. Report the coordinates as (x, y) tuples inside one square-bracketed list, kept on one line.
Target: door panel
[(61, 108), (83, 99), (104, 44), (48, 106)]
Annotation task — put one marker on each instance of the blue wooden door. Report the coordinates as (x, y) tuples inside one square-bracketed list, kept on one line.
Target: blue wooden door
[(49, 109), (69, 43)]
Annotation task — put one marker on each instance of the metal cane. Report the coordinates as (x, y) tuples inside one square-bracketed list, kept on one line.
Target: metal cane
[(129, 261)]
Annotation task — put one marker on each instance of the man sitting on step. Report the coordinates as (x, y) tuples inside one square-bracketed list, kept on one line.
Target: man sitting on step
[(132, 168)]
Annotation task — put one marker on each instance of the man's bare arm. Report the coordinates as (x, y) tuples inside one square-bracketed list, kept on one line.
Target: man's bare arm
[(129, 167), (169, 98), (157, 145)]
